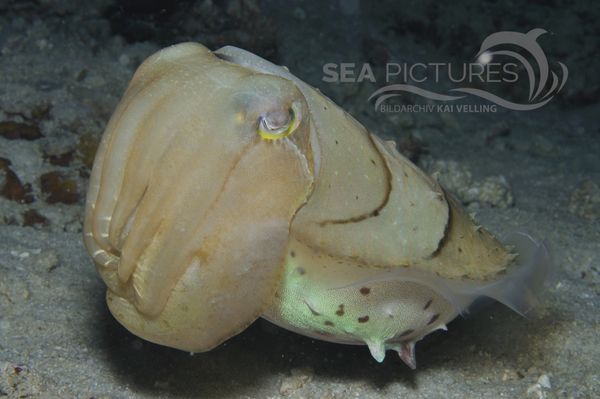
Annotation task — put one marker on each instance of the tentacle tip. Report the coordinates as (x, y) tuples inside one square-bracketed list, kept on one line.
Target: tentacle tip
[(377, 349), (407, 354)]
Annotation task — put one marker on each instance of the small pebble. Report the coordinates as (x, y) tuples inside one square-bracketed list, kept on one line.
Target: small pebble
[(86, 149), (10, 185), (124, 59), (19, 131), (58, 188), (298, 378), (544, 381), (537, 390), (585, 201)]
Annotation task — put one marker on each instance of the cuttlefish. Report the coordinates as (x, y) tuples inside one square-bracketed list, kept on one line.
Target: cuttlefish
[(226, 189)]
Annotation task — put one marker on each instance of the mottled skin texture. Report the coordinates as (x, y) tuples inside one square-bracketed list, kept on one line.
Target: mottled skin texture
[(316, 300), (226, 189)]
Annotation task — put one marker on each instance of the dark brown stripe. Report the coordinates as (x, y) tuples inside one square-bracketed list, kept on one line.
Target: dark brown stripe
[(433, 318), (447, 228), (375, 212), (428, 304), (405, 333)]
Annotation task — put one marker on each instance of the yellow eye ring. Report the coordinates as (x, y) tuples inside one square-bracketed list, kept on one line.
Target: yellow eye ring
[(276, 125)]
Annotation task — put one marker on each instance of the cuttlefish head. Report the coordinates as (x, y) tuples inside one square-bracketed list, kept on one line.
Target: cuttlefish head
[(200, 172)]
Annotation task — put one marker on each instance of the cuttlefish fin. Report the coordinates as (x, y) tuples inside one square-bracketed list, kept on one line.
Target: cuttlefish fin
[(406, 351), (377, 349)]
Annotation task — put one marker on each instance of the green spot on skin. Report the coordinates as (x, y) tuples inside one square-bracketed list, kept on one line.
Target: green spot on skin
[(380, 315), (317, 302)]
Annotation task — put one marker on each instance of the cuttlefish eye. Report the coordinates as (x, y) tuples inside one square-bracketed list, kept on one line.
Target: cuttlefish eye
[(280, 123)]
